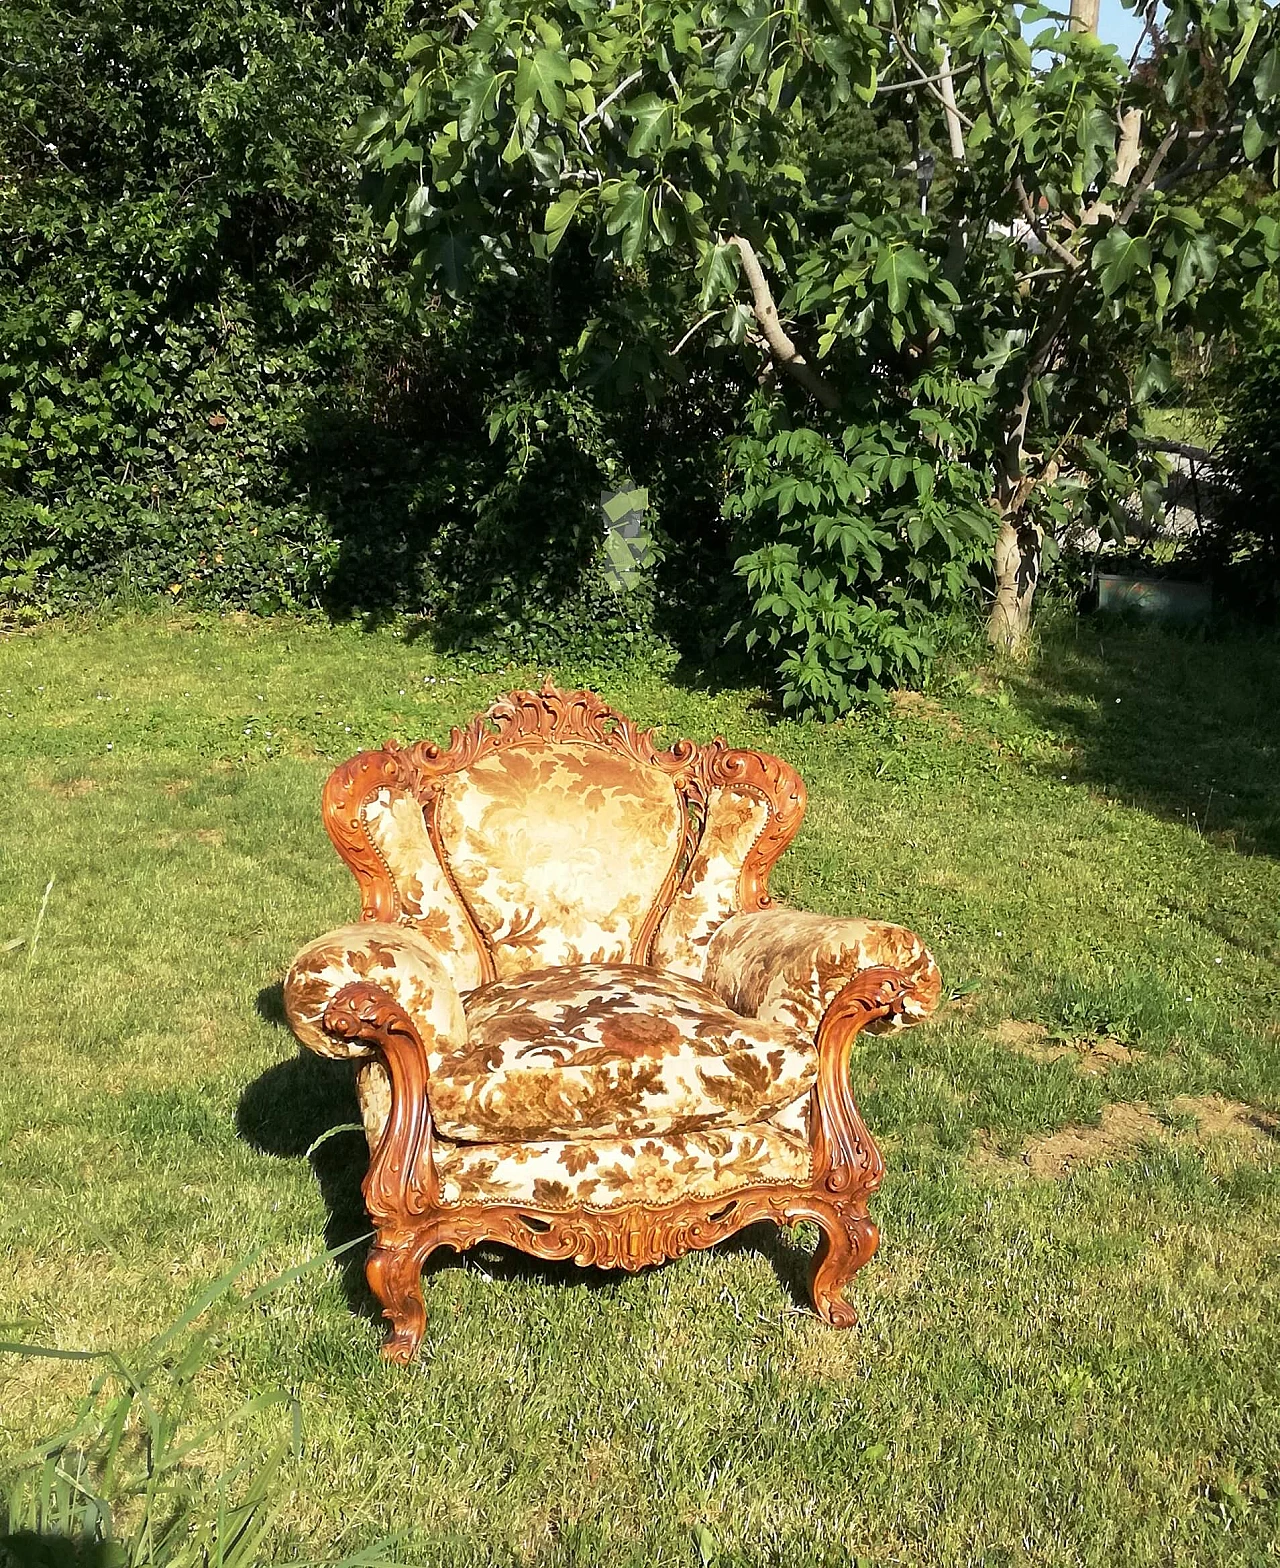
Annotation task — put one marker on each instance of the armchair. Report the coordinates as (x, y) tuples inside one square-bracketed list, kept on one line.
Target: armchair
[(583, 1027)]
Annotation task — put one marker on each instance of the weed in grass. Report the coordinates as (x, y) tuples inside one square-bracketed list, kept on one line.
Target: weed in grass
[(128, 1483)]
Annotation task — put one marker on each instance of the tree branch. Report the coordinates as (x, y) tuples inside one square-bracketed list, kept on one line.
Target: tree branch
[(954, 134), (617, 92), (1193, 165), (783, 350), (1231, 160), (1148, 21), (1129, 149), (1049, 241), (1149, 173), (928, 81), (917, 81), (700, 323)]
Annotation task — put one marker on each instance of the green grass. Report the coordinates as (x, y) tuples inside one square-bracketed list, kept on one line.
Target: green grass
[(1199, 425), (1069, 1372)]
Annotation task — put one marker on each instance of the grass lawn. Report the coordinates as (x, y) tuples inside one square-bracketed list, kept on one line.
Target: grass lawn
[(1069, 1349)]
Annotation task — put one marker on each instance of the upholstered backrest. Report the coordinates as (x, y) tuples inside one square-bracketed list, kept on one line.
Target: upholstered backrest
[(552, 831)]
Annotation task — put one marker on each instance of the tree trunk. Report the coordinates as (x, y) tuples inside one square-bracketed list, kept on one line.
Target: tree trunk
[(1017, 570), (1084, 16)]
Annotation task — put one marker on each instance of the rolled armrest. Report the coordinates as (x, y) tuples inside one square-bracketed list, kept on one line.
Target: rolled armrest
[(394, 958), (786, 966)]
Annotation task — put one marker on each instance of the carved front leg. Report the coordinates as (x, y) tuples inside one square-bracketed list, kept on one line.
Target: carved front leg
[(847, 1241), (847, 1164), (400, 1188)]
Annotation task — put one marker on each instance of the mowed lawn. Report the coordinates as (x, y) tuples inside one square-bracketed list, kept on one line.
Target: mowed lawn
[(1069, 1348)]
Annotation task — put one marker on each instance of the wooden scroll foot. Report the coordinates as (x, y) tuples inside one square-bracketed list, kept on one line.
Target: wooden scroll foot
[(395, 1277), (846, 1243)]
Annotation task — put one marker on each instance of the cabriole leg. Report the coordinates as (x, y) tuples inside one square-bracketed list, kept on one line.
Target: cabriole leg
[(847, 1242), (394, 1273)]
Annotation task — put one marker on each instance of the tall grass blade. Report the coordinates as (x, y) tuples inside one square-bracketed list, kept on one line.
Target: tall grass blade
[(127, 1454), (35, 935), (299, 1270)]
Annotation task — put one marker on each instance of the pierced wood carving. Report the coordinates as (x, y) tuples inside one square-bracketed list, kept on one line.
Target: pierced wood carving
[(549, 716), (401, 1191), (401, 1188)]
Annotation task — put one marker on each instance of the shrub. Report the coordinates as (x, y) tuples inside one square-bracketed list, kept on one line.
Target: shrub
[(1244, 542), (864, 543)]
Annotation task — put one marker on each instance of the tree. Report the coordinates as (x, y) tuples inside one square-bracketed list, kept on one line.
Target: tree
[(944, 361)]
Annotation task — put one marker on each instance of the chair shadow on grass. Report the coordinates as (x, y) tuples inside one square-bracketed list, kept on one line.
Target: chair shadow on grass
[(290, 1108)]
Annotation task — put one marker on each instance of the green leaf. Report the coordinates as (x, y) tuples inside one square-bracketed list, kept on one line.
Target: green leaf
[(919, 532), (748, 31), (560, 215), (1245, 44), (547, 157), (1119, 257), (480, 89), (419, 211), (1266, 79), (721, 277), (1155, 377), (653, 124), (629, 216), (370, 126), (683, 27), (544, 75), (1253, 139), (1197, 261), (897, 269), (449, 257), (446, 156)]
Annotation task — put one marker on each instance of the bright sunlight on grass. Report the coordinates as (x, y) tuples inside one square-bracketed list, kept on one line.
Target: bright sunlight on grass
[(1068, 1350)]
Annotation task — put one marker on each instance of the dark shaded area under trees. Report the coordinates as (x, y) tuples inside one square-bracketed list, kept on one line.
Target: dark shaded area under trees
[(217, 386)]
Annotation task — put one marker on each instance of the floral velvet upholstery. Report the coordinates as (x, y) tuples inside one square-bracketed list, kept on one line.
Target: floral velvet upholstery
[(573, 926), (608, 1173), (784, 966), (560, 852), (597, 1050)]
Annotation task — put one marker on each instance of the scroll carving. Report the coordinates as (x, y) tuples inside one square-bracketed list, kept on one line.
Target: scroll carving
[(553, 716), (401, 1188), (847, 1158)]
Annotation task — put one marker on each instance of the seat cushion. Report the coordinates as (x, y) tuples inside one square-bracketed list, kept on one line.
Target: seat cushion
[(616, 1173), (611, 1050)]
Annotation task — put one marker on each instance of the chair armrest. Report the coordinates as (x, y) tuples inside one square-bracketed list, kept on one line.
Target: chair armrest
[(786, 966), (397, 960)]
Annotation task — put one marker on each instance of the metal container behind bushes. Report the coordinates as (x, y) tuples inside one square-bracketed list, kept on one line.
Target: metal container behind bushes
[(1156, 597)]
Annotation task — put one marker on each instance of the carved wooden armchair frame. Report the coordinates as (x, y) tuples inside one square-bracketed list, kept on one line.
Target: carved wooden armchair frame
[(366, 1018)]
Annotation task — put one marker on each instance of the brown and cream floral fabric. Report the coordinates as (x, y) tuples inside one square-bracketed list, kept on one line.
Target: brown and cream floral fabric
[(611, 1050), (393, 957), (560, 850), (612, 1173), (710, 891), (784, 966), (397, 829)]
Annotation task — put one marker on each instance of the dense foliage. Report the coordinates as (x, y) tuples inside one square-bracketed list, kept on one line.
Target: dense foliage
[(178, 270), (1243, 546), (869, 301), (960, 351), (215, 387)]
